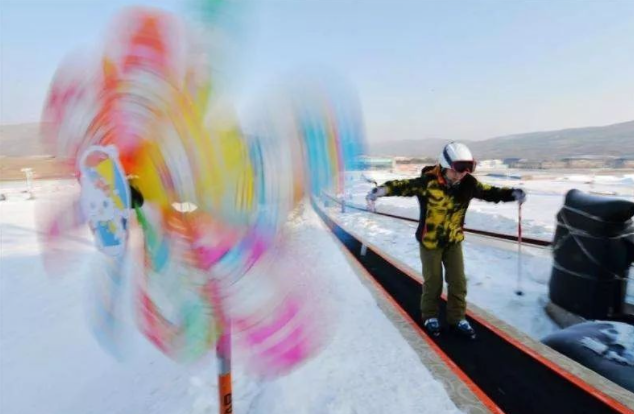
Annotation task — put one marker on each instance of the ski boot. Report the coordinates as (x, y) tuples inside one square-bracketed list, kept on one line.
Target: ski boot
[(432, 326), (464, 329)]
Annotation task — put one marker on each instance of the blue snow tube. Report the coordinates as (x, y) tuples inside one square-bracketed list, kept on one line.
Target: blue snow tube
[(604, 347), (593, 249)]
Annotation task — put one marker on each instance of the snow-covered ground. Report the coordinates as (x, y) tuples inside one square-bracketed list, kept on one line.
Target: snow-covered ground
[(50, 363)]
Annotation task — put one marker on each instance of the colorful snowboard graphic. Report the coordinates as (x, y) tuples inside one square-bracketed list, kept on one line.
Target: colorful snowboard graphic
[(105, 198)]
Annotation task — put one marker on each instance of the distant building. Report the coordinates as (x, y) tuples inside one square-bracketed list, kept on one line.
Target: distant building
[(512, 162), (375, 163), (522, 163), (588, 161), (411, 165), (491, 165), (553, 165), (575, 162), (622, 162), (528, 165)]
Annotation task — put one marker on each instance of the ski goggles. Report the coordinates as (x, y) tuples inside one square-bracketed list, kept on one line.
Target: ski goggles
[(463, 166)]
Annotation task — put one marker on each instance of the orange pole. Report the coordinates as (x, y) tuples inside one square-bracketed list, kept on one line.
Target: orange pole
[(223, 356)]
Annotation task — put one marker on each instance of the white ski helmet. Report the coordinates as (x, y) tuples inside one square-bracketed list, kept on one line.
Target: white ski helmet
[(458, 157)]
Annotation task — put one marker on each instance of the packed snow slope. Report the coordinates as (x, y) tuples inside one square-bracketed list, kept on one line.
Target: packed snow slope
[(51, 363)]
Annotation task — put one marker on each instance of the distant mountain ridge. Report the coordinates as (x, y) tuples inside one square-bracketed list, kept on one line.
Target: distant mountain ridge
[(23, 140), (610, 140)]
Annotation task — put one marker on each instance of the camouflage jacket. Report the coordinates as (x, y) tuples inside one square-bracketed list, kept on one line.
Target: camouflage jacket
[(443, 206)]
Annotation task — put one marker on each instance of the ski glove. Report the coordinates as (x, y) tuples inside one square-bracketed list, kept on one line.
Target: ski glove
[(519, 195), (376, 193)]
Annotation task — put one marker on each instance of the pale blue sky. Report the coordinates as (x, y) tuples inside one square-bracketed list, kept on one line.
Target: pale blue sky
[(445, 69)]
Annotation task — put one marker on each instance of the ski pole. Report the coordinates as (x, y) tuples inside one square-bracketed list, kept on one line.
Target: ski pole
[(519, 291)]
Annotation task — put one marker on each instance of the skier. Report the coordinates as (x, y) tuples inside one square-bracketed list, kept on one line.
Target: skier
[(444, 192)]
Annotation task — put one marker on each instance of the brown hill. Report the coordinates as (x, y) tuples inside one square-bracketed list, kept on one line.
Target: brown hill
[(616, 140), (21, 147)]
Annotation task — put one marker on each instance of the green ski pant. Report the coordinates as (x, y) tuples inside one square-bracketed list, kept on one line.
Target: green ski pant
[(433, 261)]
